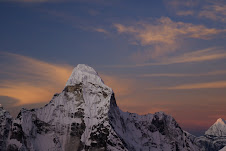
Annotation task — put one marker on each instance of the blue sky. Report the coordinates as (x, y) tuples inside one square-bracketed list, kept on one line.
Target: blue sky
[(156, 55)]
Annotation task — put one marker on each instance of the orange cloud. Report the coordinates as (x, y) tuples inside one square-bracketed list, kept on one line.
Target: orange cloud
[(121, 86), (26, 93), (213, 10), (165, 35), (212, 85), (166, 31), (101, 30), (33, 81), (30, 80)]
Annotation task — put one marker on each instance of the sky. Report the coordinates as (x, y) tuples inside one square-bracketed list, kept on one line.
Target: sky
[(159, 55)]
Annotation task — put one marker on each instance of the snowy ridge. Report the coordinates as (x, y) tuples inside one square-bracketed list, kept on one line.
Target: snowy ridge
[(154, 132), (85, 116)]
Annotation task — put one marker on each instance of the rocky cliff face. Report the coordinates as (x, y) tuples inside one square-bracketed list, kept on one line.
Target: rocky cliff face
[(5, 127), (85, 116)]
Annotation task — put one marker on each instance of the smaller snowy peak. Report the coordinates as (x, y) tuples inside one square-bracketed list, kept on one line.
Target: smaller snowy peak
[(218, 129), (220, 121), (84, 74)]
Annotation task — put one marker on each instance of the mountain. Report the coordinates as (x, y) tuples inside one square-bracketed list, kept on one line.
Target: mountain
[(85, 116), (214, 138), (218, 129)]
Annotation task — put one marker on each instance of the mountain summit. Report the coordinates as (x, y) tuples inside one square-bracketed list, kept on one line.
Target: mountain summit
[(84, 74), (214, 138), (217, 129), (85, 116)]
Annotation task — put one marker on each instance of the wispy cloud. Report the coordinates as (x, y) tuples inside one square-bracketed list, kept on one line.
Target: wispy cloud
[(213, 73), (166, 31), (207, 85), (198, 56), (101, 30), (27, 92), (215, 11), (165, 35), (209, 9), (208, 54), (30, 80), (185, 13)]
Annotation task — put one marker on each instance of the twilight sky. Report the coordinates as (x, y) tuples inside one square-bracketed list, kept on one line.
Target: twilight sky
[(159, 55)]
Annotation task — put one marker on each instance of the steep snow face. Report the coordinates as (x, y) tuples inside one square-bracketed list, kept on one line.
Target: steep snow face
[(85, 116), (217, 129)]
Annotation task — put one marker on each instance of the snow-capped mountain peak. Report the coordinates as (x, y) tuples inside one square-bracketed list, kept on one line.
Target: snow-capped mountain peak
[(214, 138), (220, 121), (85, 117), (217, 129), (84, 74)]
